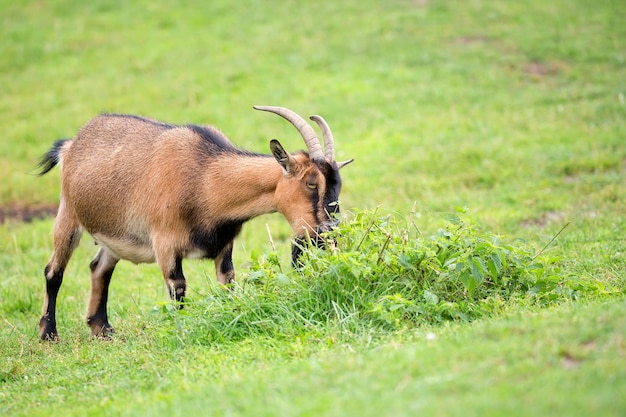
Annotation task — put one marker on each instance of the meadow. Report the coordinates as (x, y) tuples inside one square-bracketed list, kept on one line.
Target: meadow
[(481, 265)]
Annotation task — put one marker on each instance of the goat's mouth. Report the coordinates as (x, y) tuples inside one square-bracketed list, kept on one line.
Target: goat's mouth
[(327, 227), (317, 240)]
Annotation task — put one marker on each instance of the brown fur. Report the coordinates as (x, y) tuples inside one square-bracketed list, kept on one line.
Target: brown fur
[(151, 192)]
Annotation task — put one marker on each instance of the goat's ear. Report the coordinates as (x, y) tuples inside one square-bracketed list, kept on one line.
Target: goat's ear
[(281, 155)]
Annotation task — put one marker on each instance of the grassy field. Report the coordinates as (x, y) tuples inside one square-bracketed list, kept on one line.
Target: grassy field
[(513, 113)]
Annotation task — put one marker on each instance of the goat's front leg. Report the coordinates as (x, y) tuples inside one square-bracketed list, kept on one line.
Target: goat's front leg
[(224, 269), (172, 269)]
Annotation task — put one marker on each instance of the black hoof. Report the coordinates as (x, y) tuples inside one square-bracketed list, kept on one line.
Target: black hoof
[(48, 331)]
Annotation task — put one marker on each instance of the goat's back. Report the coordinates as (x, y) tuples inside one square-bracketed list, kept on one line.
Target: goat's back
[(126, 143)]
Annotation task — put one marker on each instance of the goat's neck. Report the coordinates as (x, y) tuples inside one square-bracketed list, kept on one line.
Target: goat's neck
[(246, 186)]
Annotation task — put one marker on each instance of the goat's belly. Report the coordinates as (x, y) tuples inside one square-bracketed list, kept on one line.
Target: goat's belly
[(128, 250)]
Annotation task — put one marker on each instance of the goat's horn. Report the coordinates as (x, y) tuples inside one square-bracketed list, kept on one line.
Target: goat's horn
[(307, 132), (329, 142)]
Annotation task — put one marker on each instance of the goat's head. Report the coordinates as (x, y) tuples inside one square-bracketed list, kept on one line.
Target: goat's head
[(308, 193)]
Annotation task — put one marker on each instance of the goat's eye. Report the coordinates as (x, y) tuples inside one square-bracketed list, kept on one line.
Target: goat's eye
[(311, 185)]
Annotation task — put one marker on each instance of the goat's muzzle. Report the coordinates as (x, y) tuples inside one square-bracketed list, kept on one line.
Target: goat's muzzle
[(317, 240)]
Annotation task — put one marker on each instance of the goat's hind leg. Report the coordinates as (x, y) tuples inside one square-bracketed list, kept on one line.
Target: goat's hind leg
[(102, 267), (67, 233)]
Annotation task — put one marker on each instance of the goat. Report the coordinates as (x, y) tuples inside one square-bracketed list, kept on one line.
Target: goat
[(148, 191)]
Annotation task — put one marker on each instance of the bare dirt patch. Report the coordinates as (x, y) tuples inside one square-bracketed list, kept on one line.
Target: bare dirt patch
[(544, 69), (27, 213), (543, 220), (472, 40)]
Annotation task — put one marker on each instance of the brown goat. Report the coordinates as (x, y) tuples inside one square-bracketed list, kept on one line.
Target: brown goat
[(148, 191)]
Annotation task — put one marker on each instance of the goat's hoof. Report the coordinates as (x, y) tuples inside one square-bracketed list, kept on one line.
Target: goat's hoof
[(103, 332), (48, 331), (52, 336)]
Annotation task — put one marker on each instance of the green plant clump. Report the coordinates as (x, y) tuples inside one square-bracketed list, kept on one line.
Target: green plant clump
[(398, 277), (382, 272)]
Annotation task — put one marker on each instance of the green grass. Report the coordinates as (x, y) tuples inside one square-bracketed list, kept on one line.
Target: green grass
[(515, 111), (493, 367)]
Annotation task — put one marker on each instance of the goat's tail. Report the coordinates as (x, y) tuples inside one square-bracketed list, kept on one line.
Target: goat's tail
[(52, 157)]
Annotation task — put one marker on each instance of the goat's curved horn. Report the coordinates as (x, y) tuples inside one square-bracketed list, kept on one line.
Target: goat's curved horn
[(329, 141), (307, 132)]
